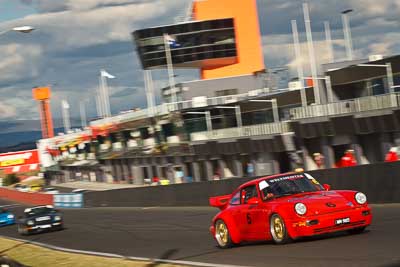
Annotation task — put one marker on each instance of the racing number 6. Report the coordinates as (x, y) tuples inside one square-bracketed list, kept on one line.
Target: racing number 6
[(248, 218)]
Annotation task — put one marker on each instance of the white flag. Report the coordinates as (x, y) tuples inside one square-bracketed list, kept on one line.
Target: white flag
[(106, 74), (64, 104)]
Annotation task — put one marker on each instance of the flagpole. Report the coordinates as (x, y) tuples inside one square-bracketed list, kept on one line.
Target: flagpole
[(171, 78), (101, 97)]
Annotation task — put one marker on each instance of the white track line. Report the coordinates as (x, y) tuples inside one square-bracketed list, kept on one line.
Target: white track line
[(112, 255), (10, 206)]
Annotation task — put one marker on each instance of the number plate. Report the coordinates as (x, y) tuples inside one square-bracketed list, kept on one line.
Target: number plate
[(342, 221), (45, 226), (45, 218)]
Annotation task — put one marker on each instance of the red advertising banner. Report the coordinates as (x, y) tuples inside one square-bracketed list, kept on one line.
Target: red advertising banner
[(19, 158)]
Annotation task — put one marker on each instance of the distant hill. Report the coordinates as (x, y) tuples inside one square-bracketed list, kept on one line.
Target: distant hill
[(12, 139), (19, 147), (18, 126), (23, 134), (21, 140)]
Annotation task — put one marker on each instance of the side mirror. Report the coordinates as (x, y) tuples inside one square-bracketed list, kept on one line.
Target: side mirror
[(253, 201), (327, 187)]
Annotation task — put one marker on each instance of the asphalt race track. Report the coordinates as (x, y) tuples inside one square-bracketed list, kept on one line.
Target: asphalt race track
[(182, 234)]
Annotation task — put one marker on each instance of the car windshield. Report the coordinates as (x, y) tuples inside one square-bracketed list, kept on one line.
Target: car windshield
[(288, 185), (38, 211)]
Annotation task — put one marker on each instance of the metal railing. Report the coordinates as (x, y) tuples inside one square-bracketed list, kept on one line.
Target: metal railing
[(165, 108), (253, 130), (362, 104)]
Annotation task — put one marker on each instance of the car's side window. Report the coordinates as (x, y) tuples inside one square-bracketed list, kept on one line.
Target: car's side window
[(235, 199), (248, 193)]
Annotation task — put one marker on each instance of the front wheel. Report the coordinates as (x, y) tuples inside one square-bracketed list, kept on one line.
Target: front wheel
[(222, 235), (22, 230), (278, 230)]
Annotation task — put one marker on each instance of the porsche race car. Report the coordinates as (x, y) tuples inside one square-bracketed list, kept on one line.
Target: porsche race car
[(286, 207), (6, 217), (39, 219)]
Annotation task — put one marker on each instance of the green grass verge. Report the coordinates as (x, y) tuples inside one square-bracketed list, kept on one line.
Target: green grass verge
[(32, 255)]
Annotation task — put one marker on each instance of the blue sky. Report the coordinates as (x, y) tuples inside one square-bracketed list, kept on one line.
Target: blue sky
[(14, 9), (76, 38)]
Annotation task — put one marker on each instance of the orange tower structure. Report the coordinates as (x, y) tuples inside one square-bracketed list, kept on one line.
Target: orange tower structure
[(42, 94), (247, 34)]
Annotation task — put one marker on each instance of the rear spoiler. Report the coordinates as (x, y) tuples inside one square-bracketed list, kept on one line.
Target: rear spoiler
[(220, 201)]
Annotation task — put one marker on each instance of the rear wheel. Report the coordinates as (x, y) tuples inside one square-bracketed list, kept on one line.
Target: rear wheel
[(358, 230), (278, 230), (222, 235)]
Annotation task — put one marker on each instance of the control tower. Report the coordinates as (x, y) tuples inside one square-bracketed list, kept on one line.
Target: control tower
[(222, 40), (42, 95)]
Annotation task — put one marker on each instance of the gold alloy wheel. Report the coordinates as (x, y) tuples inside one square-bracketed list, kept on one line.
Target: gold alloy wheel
[(278, 229), (221, 233)]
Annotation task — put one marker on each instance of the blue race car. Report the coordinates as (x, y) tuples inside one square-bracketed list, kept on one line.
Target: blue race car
[(6, 217)]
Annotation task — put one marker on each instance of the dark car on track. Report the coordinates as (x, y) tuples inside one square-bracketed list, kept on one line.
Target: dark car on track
[(40, 218)]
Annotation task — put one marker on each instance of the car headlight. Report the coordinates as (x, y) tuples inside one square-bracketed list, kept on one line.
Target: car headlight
[(300, 208), (30, 222), (57, 218), (10, 216), (361, 198)]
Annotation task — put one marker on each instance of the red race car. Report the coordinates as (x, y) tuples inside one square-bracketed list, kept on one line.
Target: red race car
[(285, 207)]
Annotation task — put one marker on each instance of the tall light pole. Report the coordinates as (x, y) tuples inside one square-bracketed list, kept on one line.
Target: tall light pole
[(237, 114), (149, 88), (314, 71), (347, 34), (170, 67), (65, 114), (104, 75), (82, 110), (328, 38), (274, 103), (389, 73), (208, 118), (21, 29), (300, 72)]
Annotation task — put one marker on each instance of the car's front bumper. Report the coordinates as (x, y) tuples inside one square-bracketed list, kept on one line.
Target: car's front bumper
[(7, 222), (44, 227), (332, 222)]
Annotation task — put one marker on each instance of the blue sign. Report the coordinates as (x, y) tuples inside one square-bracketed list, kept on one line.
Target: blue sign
[(68, 200)]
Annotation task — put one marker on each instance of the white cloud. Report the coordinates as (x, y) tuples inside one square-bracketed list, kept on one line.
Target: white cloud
[(82, 24), (7, 111), (75, 38), (19, 61)]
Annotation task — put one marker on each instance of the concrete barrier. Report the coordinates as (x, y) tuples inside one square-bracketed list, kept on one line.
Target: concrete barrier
[(380, 182), (27, 198)]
